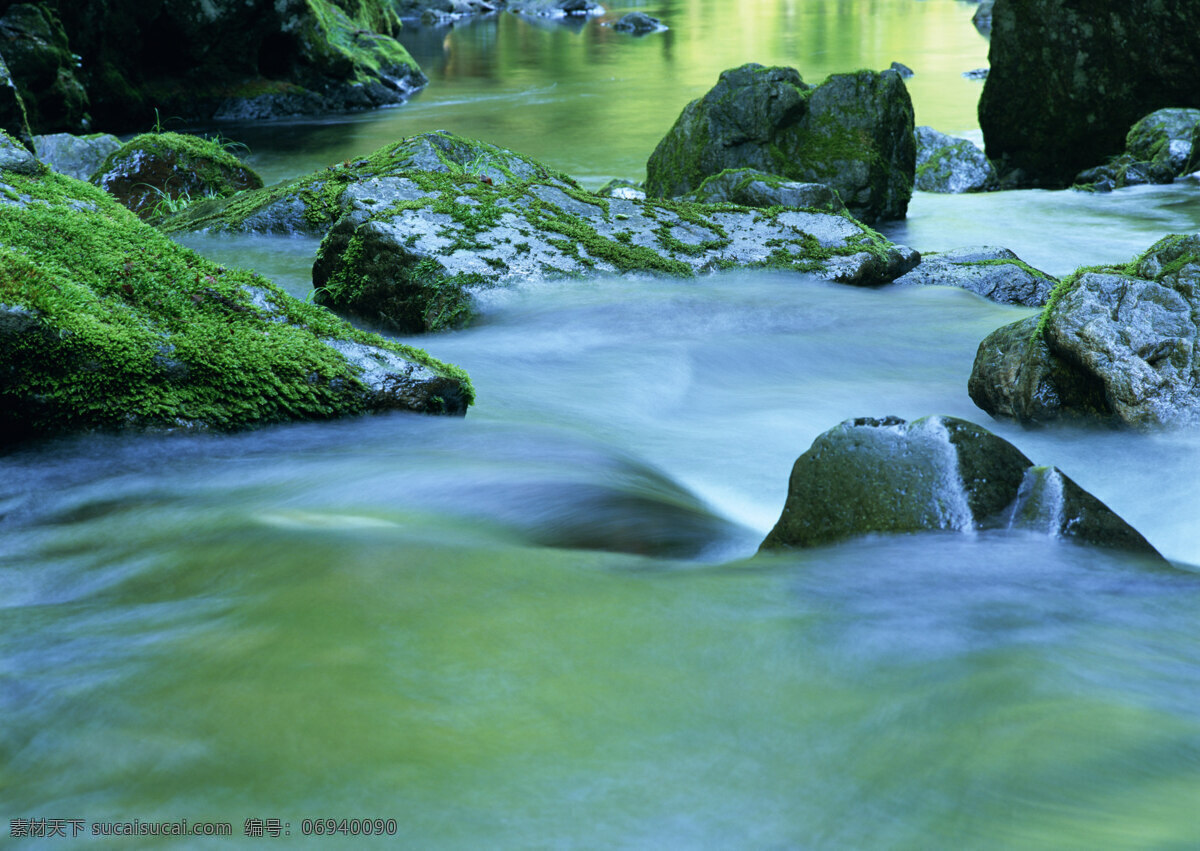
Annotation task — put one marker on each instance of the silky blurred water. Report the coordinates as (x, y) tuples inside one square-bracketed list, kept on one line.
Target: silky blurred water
[(543, 625)]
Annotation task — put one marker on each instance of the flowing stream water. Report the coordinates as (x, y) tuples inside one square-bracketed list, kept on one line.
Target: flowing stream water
[(544, 625)]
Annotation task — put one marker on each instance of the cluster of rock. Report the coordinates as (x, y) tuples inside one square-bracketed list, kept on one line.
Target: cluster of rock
[(105, 323), (853, 133), (112, 64), (1160, 147), (1068, 80), (1117, 344), (937, 473)]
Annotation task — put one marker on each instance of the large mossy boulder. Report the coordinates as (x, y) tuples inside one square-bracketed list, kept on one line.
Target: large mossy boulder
[(39, 58), (105, 323), (154, 173), (1117, 344), (937, 473), (1068, 79), (414, 229), (237, 58), (994, 273), (853, 133), (950, 165)]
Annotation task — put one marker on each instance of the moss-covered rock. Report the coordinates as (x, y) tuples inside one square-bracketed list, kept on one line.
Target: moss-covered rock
[(948, 164), (38, 55), (1068, 79), (853, 133), (1119, 344), (105, 323), (156, 173), (938, 473), (994, 273), (1160, 147), (13, 119)]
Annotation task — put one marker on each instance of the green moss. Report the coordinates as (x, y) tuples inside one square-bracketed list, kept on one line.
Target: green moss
[(135, 330), (1000, 261), (347, 46), (207, 155)]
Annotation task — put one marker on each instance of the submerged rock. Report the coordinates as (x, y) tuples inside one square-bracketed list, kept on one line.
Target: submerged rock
[(75, 156), (1160, 147), (105, 323), (423, 223), (994, 273), (1119, 344), (937, 473), (752, 188), (639, 23), (155, 173), (952, 165), (1068, 80), (853, 133)]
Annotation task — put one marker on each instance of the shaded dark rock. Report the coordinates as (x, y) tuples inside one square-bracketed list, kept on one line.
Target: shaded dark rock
[(976, 74), (13, 119), (853, 133), (994, 273), (949, 164), (1160, 147), (43, 68), (76, 156), (1068, 80), (155, 173), (1117, 345), (938, 473)]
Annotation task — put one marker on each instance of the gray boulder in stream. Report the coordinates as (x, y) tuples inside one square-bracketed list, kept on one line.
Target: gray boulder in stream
[(853, 133), (1160, 147), (414, 229), (1117, 344), (951, 165), (994, 273), (937, 473)]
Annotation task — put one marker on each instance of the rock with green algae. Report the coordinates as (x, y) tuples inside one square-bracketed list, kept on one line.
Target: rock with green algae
[(948, 164), (1118, 344), (44, 69), (935, 474), (154, 171), (422, 224), (106, 324), (1160, 147), (753, 188), (853, 133)]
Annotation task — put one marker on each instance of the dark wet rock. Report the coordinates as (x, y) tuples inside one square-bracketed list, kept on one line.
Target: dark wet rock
[(12, 109), (621, 188), (105, 323), (976, 74), (1160, 147), (156, 173), (39, 58), (752, 188), (76, 156), (982, 19), (235, 58), (16, 158), (937, 473), (949, 164), (556, 8), (1068, 80), (1116, 344), (903, 70), (853, 133), (994, 273), (639, 23)]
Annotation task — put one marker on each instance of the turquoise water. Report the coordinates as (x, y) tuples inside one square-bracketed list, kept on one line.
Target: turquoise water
[(543, 625)]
